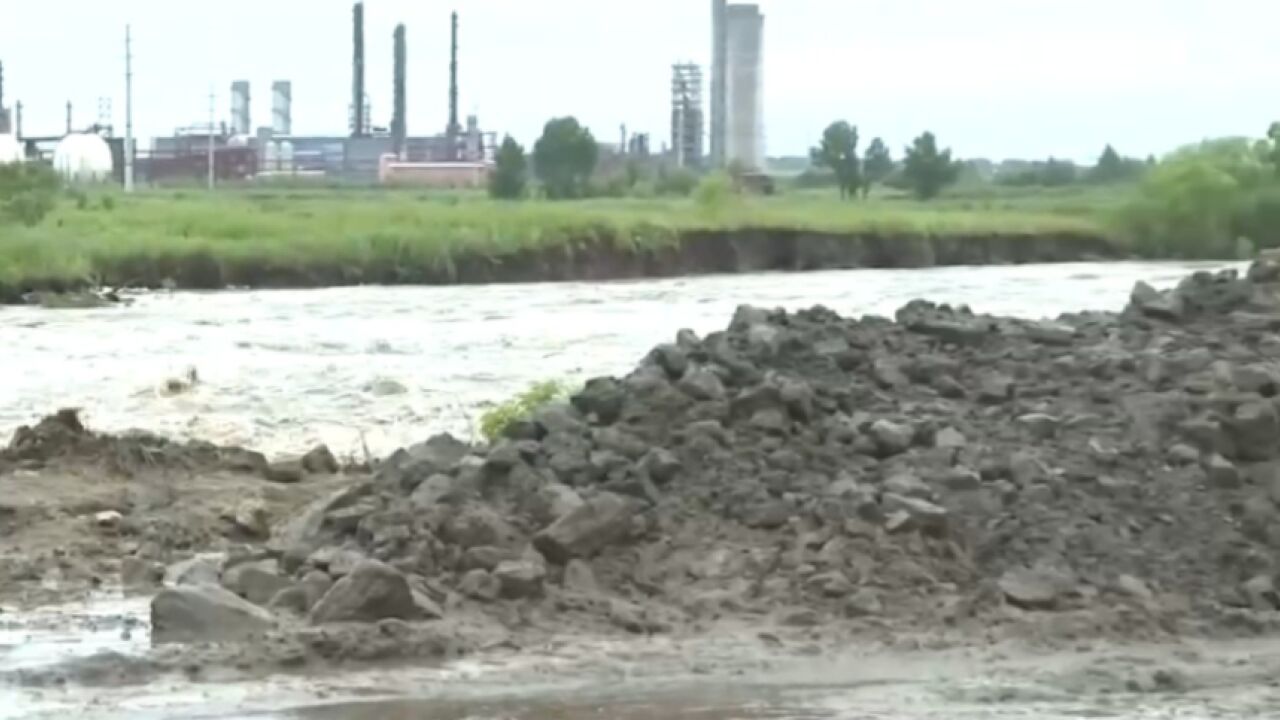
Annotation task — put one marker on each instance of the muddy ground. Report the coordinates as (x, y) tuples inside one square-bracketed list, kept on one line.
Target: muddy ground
[(795, 486)]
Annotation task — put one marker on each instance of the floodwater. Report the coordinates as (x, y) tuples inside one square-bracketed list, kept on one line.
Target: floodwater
[(379, 368)]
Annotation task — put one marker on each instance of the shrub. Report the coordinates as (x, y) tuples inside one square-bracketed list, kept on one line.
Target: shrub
[(677, 183), (714, 192), (495, 421), (28, 192)]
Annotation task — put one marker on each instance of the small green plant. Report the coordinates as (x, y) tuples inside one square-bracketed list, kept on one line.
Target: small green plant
[(495, 421), (108, 203), (714, 192)]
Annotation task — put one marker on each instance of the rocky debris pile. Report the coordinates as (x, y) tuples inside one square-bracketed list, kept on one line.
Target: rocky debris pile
[(63, 437), (804, 468)]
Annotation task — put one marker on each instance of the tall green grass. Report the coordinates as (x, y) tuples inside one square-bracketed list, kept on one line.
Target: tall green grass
[(318, 227)]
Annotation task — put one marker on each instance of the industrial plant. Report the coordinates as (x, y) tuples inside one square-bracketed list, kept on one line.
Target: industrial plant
[(459, 156)]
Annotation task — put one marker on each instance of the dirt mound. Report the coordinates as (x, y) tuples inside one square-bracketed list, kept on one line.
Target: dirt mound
[(1117, 471), (62, 438)]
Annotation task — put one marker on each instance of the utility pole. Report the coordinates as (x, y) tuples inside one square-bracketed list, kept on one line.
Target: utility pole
[(128, 109), (212, 108)]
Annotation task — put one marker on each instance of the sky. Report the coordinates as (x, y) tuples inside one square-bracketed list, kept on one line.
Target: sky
[(991, 78)]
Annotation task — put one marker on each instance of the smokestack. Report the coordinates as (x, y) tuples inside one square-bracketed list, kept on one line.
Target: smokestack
[(719, 80), (358, 126), (454, 129), (398, 119), (4, 114), (282, 107), (68, 117), (240, 116)]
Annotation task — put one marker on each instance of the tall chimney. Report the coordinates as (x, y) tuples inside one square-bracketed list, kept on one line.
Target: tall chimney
[(282, 107), (358, 126), (68, 117), (240, 115), (719, 81), (399, 130), (4, 114), (454, 130)]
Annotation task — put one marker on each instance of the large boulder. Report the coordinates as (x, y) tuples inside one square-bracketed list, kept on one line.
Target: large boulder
[(205, 614), (372, 592), (587, 529), (258, 582)]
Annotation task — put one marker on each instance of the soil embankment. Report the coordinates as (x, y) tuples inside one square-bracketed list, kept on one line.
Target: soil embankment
[(694, 253), (803, 477)]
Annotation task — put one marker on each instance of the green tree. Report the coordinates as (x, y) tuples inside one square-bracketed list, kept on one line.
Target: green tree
[(877, 166), (510, 171), (1273, 138), (1112, 167), (28, 192), (839, 152), (928, 170), (564, 158)]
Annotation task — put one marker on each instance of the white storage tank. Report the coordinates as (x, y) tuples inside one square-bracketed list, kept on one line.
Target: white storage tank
[(83, 158), (10, 149)]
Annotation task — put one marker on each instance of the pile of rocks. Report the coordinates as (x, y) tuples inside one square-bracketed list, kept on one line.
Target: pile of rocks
[(803, 468)]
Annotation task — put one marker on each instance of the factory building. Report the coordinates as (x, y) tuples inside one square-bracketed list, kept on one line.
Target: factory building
[(369, 153), (737, 80)]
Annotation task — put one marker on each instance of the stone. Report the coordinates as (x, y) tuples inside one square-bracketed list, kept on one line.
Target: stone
[(701, 384), (285, 472), (1047, 332), (908, 485), (915, 514), (306, 528), (1183, 454), (948, 387), (579, 577), (661, 465), (373, 591), (601, 398), (199, 570), (1154, 304), (672, 359), (891, 438), (337, 562), (520, 579), (1254, 430), (320, 461), (864, 603), (832, 584), (801, 617), (1032, 589), (136, 573), (960, 479), (1039, 425), (252, 517), (108, 520), (256, 582), (949, 438), (477, 525), (1131, 586), (431, 492), (480, 585), (888, 374), (485, 557), (1222, 473), (995, 389), (588, 529), (1260, 593), (554, 501), (205, 613)]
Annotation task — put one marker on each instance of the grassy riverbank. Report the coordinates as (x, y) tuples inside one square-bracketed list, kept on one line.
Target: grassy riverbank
[(373, 235)]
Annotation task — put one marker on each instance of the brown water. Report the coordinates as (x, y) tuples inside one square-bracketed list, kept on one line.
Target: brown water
[(282, 370)]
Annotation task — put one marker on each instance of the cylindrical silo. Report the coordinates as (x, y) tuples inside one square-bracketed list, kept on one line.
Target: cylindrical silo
[(282, 107)]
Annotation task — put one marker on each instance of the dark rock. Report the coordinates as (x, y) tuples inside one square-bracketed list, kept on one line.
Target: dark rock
[(888, 374), (199, 570), (1254, 430), (286, 472), (586, 530), (601, 398), (949, 438), (908, 485), (256, 582), (306, 528), (1039, 425), (477, 525), (661, 465), (371, 592), (863, 603), (1222, 473), (336, 562), (995, 389), (520, 579), (480, 585), (672, 359), (320, 461), (137, 574), (891, 438), (832, 584), (485, 558), (205, 614), (578, 577), (1152, 303), (702, 384), (432, 491), (909, 514), (1033, 589)]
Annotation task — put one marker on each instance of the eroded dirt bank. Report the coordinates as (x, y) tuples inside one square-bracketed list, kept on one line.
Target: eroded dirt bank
[(801, 479), (695, 253)]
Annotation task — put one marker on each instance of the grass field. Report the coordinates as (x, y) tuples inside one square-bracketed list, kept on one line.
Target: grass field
[(283, 227)]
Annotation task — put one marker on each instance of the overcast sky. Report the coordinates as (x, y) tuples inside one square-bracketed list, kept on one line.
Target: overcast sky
[(993, 78)]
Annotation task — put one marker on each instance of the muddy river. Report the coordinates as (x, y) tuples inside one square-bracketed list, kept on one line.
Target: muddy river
[(385, 366), (376, 367)]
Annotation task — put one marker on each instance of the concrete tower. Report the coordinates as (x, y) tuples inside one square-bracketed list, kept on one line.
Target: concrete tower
[(719, 69), (744, 95), (240, 114), (737, 81), (687, 128)]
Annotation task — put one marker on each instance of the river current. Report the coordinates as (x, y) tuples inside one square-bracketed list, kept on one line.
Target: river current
[(381, 367)]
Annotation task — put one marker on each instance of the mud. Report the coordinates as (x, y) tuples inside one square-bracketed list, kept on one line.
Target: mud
[(587, 259), (795, 486)]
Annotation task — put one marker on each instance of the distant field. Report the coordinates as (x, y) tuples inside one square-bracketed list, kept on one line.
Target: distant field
[(354, 228)]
